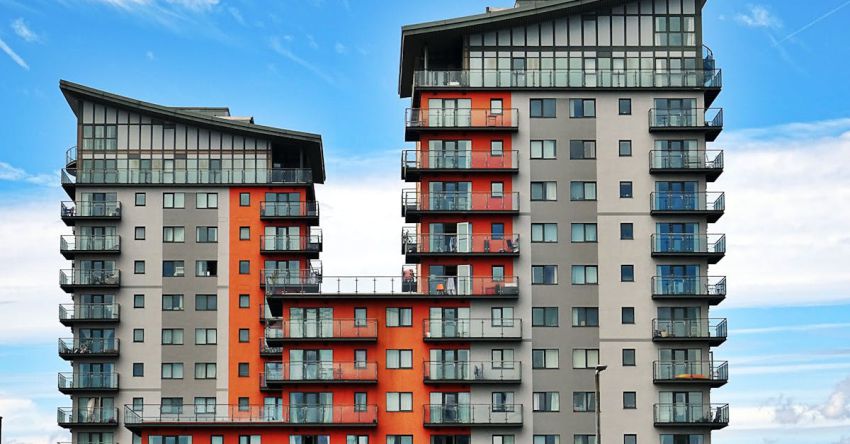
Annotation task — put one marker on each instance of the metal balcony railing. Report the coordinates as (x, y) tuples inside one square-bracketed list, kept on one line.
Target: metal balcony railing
[(89, 244), (459, 244), (688, 244), (662, 118), (564, 78), (296, 415), (439, 118), (86, 417), (678, 202), (89, 312), (473, 371), (459, 160), (708, 286), (697, 329), (432, 286), (77, 347), (283, 244), (319, 371), (473, 329), (269, 351), (323, 330), (677, 161), (302, 209), (691, 371), (473, 414), (457, 202), (88, 381), (93, 210), (85, 278), (134, 176), (688, 414)]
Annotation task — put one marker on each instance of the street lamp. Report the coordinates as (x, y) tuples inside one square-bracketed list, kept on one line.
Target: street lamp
[(599, 369)]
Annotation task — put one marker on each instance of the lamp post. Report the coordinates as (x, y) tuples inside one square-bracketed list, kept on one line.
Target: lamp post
[(599, 369)]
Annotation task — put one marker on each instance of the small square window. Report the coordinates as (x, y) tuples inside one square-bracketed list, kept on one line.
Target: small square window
[(138, 301), (629, 357), (496, 148), (625, 148), (629, 400), (243, 369), (244, 199), (138, 335), (627, 273), (625, 107), (627, 231), (244, 233), (244, 335), (244, 267), (244, 301), (630, 439), (497, 189), (628, 315), (139, 267), (496, 106), (141, 199), (625, 190), (138, 369), (244, 406), (140, 233)]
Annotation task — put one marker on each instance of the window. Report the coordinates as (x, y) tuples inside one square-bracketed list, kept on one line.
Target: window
[(585, 358), (357, 439), (585, 275), (173, 234), (546, 401), (627, 231), (243, 368), (139, 267), (359, 358), (173, 200), (544, 190), (244, 233), (204, 404), (544, 274), (139, 233), (208, 268), (503, 439), (544, 232), (625, 148), (360, 319), (250, 439), (583, 233), (580, 108), (496, 148), (542, 108), (497, 231), (544, 317), (141, 199), (100, 137), (497, 189), (629, 400), (399, 439), (625, 107), (584, 439), (244, 301), (206, 302), (627, 273), (544, 358), (543, 149), (628, 357), (138, 335), (501, 316), (206, 336), (582, 149), (502, 401), (495, 106), (206, 234), (626, 191), (217, 439), (547, 439), (584, 401), (397, 359), (172, 302), (138, 404), (172, 336), (360, 403), (138, 301), (172, 370), (206, 200), (399, 402), (399, 317), (629, 439), (585, 317), (582, 190), (171, 405), (244, 199), (502, 358), (674, 31), (498, 273), (244, 404), (244, 335), (244, 267), (205, 370), (172, 268), (628, 315), (138, 369)]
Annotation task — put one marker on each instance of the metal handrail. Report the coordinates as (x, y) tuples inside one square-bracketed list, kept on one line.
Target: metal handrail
[(507, 243), (703, 328), (319, 371), (689, 285), (92, 380), (75, 276), (685, 201), (78, 242), (473, 370), (90, 209), (87, 346), (473, 414), (686, 118), (289, 209), (187, 176), (684, 160), (690, 413), (472, 328), (414, 200), (569, 78), (89, 311), (689, 243), (230, 413), (461, 118), (381, 285), (459, 159), (309, 242), (86, 415), (691, 370), (322, 329)]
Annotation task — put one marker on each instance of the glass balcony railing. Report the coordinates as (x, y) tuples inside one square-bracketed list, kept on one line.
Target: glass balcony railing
[(253, 415), (450, 118), (135, 176), (473, 414), (89, 312), (73, 347), (712, 330), (86, 416), (269, 351), (292, 244), (564, 78), (413, 201), (70, 244), (459, 244), (87, 381), (688, 244), (89, 278), (90, 210), (71, 156), (711, 372), (459, 160), (473, 329), (689, 286), (322, 330), (688, 203), (319, 371), (284, 210), (432, 286), (662, 118), (684, 161), (473, 371), (690, 415)]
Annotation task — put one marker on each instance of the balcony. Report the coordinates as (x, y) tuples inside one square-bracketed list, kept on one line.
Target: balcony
[(71, 417), (708, 120), (416, 246), (710, 205), (71, 157), (72, 348), (709, 373), (228, 415), (70, 245), (703, 162), (71, 211), (473, 372), (711, 289), (267, 351), (310, 245), (436, 287), (135, 176), (417, 120), (467, 330), (73, 279), (416, 162), (710, 331), (329, 330), (503, 415), (317, 372), (70, 314), (88, 382), (303, 210), (415, 204), (286, 281), (711, 247), (713, 416)]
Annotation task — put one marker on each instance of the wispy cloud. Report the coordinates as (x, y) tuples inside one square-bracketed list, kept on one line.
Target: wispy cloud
[(14, 174), (340, 48), (196, 5), (237, 15), (790, 328), (13, 55), (312, 41), (24, 31), (278, 47), (150, 55), (813, 23), (758, 16)]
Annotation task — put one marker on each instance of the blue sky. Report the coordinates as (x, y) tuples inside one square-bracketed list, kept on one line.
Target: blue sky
[(330, 66)]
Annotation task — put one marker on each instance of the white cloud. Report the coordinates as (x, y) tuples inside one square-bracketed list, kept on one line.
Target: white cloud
[(23, 31), (13, 55), (14, 174), (340, 48), (758, 16), (150, 55), (25, 423), (237, 15), (278, 47), (196, 5)]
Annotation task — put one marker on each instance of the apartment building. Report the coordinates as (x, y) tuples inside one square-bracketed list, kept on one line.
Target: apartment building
[(557, 228)]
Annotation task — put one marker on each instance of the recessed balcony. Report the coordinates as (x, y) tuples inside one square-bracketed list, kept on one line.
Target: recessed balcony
[(71, 314), (71, 245), (709, 331), (157, 416), (473, 372), (71, 211), (710, 247), (415, 204), (436, 287), (307, 211), (711, 205), (75, 348), (88, 382), (417, 246), (89, 417), (74, 279), (178, 177), (415, 163), (708, 163), (709, 121), (419, 120), (702, 373), (328, 330), (712, 416), (278, 374), (710, 289), (468, 415), (310, 245), (470, 330)]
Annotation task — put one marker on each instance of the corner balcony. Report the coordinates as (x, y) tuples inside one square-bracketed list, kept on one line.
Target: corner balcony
[(473, 372), (73, 348), (710, 247), (710, 289), (71, 314), (708, 163), (307, 211), (284, 281), (73, 417), (708, 121), (471, 415), (415, 204), (267, 351), (390, 287), (472, 330), (702, 373), (414, 163), (712, 416), (74, 279), (177, 177), (71, 245), (708, 331), (417, 246), (279, 374), (71, 157), (419, 120), (72, 212), (710, 205), (88, 382), (253, 416), (329, 330), (310, 245)]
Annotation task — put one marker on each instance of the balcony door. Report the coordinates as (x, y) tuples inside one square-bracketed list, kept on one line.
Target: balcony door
[(450, 238), (283, 272), (283, 204), (282, 238), (311, 365), (94, 306), (95, 438), (449, 322), (680, 363), (94, 375), (450, 408), (681, 322), (675, 112), (681, 407), (449, 113), (94, 409), (677, 154), (449, 364), (680, 196), (311, 407), (677, 237), (450, 196), (678, 279), (450, 154), (273, 408), (95, 340), (311, 322)]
